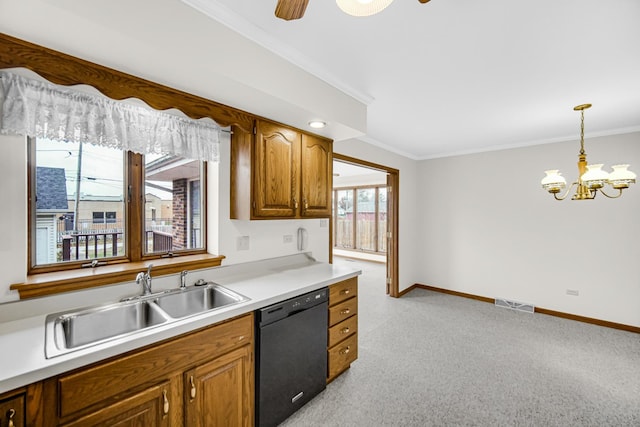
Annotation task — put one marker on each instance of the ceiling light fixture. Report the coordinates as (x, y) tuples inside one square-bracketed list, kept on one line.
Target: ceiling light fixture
[(317, 124), (363, 7), (591, 178)]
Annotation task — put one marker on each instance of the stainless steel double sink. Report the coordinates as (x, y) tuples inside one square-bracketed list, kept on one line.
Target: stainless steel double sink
[(73, 330)]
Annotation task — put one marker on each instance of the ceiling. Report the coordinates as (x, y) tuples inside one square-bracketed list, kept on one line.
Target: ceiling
[(460, 76)]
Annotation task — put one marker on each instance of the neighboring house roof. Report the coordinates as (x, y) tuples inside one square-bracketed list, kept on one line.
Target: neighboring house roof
[(51, 189)]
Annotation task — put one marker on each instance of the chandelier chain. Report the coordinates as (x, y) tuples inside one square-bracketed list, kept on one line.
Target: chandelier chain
[(581, 131)]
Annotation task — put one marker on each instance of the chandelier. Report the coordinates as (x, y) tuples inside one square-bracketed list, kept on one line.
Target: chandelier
[(591, 178)]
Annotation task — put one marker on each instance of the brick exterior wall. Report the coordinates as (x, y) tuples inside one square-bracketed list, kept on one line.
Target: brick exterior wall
[(180, 214)]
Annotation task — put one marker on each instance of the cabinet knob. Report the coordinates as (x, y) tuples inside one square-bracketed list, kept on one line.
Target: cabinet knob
[(193, 388), (10, 414), (344, 292), (345, 311), (295, 203), (306, 204), (344, 331), (165, 405), (345, 350)]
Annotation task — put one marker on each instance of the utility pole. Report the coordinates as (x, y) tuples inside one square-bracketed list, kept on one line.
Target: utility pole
[(78, 178)]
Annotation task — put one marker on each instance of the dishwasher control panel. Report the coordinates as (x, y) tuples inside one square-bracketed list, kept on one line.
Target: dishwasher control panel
[(291, 306)]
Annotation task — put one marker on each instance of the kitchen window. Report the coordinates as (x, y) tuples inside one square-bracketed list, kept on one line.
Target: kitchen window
[(95, 183), (105, 160)]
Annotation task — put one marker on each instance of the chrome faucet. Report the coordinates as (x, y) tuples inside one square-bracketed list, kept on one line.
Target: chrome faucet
[(145, 280), (183, 279)]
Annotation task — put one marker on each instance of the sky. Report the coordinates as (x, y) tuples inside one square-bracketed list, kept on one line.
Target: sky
[(101, 167)]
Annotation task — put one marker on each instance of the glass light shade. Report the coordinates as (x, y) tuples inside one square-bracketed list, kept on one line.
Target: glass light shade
[(362, 7), (621, 177), (553, 182), (317, 124), (594, 177)]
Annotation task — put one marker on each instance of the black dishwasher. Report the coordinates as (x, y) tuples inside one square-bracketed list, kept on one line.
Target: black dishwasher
[(291, 355)]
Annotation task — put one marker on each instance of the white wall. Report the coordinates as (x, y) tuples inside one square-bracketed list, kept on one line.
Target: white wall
[(13, 194), (487, 228), (408, 215)]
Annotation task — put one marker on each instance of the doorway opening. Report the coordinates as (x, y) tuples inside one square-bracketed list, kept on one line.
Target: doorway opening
[(364, 223)]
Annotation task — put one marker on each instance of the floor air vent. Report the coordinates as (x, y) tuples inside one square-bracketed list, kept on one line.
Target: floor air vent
[(515, 305)]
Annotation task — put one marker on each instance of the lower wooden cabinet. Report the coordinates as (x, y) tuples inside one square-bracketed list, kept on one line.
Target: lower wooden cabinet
[(204, 378), (216, 393), (150, 407), (342, 339), (12, 409)]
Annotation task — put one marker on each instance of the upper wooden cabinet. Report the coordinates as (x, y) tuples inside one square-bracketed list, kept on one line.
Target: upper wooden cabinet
[(279, 172), (317, 176), (276, 171)]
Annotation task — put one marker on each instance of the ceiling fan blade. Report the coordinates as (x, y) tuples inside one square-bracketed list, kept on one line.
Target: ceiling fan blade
[(291, 9)]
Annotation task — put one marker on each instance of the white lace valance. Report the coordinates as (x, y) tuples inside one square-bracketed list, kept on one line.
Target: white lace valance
[(41, 109)]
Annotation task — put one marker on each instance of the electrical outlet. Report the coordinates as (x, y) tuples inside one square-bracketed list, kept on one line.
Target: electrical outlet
[(573, 292), (324, 223), (287, 238), (243, 243)]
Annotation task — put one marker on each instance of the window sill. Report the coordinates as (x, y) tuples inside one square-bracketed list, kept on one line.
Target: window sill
[(39, 285)]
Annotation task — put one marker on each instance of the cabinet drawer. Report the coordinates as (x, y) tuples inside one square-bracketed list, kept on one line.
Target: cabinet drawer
[(150, 407), (343, 290), (107, 382), (341, 356), (343, 330), (342, 311), (15, 408)]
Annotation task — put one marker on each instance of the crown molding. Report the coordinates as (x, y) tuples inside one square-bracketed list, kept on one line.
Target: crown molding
[(610, 132), (222, 14)]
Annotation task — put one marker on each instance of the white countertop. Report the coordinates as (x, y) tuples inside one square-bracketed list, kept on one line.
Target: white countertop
[(22, 341)]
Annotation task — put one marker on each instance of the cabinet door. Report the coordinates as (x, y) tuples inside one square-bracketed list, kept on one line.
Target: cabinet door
[(150, 407), (277, 158), (12, 410), (316, 174), (220, 392)]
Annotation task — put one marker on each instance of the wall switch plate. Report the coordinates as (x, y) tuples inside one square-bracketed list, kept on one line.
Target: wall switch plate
[(324, 223), (243, 243), (287, 238), (573, 292)]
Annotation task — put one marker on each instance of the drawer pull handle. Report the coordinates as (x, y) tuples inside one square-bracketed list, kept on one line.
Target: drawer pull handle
[(345, 350), (344, 331), (344, 292), (345, 311), (10, 414), (193, 388), (165, 406)]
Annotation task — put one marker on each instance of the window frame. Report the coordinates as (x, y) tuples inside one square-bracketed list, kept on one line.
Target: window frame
[(93, 217), (108, 219), (134, 230)]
